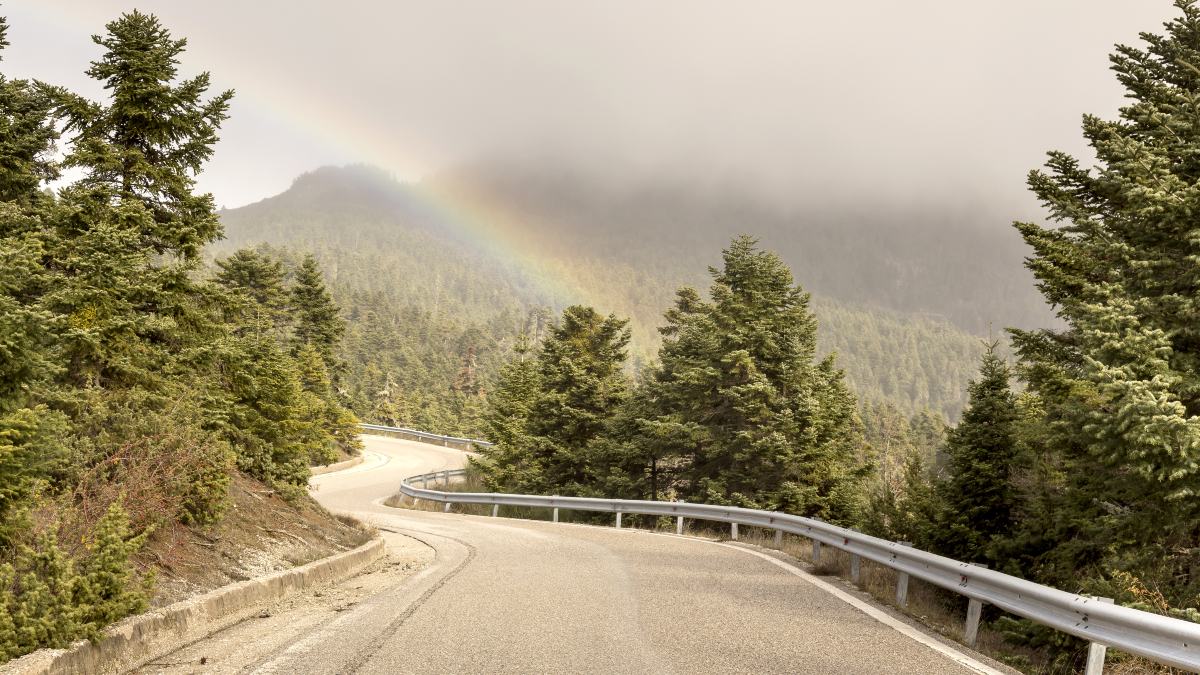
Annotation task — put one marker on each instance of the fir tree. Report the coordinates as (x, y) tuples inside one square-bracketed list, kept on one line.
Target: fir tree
[(27, 140), (260, 277), (545, 415), (107, 588), (507, 465), (1120, 387), (976, 498), (581, 386), (317, 322), (144, 148), (741, 399)]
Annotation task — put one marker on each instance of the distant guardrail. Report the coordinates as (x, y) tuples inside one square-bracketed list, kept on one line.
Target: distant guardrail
[(1162, 639), (426, 437)]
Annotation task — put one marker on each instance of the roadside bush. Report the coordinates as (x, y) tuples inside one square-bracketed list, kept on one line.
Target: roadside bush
[(48, 600)]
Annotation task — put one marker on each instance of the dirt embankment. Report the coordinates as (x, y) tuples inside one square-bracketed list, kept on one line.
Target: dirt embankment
[(260, 533)]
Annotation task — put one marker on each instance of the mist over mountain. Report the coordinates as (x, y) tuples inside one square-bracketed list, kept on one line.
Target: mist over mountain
[(903, 296), (964, 267)]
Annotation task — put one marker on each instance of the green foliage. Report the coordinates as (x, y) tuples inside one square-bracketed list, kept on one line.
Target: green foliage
[(905, 508), (126, 376), (42, 598), (976, 497), (508, 465), (318, 324), (754, 418), (260, 278), (30, 448), (563, 402), (1112, 463), (155, 134), (418, 299), (259, 414), (48, 600), (107, 587)]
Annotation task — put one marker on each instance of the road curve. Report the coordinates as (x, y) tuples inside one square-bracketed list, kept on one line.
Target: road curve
[(489, 595)]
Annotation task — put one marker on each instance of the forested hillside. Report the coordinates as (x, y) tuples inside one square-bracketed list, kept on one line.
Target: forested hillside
[(138, 388), (450, 303)]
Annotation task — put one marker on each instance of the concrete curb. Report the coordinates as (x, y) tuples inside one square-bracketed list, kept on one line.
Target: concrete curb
[(139, 639), (330, 468)]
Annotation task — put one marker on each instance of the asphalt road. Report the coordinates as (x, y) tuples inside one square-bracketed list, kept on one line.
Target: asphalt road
[(470, 594)]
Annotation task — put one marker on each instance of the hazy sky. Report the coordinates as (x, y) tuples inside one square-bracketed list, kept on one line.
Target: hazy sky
[(891, 101)]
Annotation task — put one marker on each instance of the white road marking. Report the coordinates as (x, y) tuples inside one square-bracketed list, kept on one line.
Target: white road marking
[(875, 613)]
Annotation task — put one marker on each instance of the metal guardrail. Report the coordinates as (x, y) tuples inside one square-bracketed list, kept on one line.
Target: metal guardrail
[(426, 437), (1162, 639)]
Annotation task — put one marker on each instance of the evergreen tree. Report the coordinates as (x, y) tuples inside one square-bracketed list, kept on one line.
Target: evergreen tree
[(143, 149), (976, 498), (545, 415), (317, 322), (507, 465), (581, 386), (27, 140), (1120, 387), (128, 245), (107, 587), (44, 612), (260, 277), (259, 413), (740, 398)]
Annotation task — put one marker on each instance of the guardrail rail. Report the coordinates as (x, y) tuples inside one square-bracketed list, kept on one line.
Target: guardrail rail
[(1162, 639)]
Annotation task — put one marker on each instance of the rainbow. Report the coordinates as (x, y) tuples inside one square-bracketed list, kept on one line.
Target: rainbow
[(498, 229)]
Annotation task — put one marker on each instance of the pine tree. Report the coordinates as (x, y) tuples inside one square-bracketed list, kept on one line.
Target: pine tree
[(316, 317), (107, 587), (507, 464), (260, 277), (143, 149), (1120, 387), (27, 140), (128, 244), (544, 415), (742, 401), (976, 499), (581, 387)]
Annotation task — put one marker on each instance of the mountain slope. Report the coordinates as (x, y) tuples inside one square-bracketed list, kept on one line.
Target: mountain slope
[(434, 311)]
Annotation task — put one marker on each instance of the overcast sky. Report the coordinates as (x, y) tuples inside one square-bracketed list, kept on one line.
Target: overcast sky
[(884, 100)]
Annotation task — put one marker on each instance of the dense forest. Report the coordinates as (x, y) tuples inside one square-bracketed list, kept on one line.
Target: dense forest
[(387, 254), (136, 382), (1075, 465)]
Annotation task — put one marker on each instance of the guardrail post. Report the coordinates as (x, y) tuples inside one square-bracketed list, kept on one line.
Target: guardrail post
[(495, 510), (733, 531), (974, 610), (446, 508), (618, 520), (679, 525), (971, 631), (446, 477), (816, 552), (855, 567), (902, 583), (1097, 651), (556, 514), (778, 538)]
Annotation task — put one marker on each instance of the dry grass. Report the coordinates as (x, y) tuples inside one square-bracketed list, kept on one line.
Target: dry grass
[(260, 533)]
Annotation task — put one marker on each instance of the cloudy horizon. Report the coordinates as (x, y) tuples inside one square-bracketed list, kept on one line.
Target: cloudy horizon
[(926, 101)]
